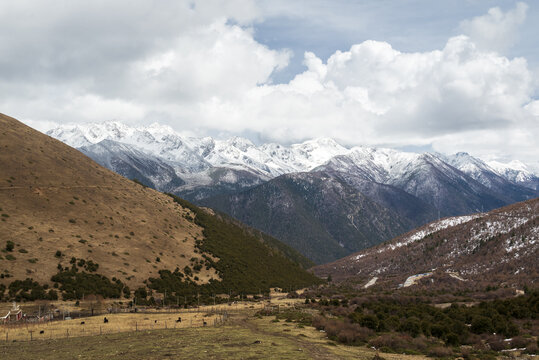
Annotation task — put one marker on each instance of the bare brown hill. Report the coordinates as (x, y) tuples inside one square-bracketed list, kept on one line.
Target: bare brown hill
[(61, 214), (486, 249), (54, 200)]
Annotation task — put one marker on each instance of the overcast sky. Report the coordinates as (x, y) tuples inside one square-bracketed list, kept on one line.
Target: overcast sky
[(452, 75)]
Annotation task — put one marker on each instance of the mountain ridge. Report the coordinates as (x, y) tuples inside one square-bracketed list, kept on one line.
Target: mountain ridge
[(498, 247), (279, 158)]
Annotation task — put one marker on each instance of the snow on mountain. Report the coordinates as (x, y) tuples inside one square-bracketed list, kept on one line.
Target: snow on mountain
[(474, 167), (196, 159), (494, 175), (498, 246), (240, 154), (193, 155), (388, 166), (312, 153), (132, 163), (155, 139), (429, 177), (515, 171), (373, 164)]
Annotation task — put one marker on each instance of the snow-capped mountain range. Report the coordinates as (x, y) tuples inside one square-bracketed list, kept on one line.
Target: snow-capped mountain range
[(195, 159), (321, 198), (192, 155)]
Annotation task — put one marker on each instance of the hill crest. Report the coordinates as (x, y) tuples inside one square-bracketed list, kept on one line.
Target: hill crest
[(62, 212), (494, 248)]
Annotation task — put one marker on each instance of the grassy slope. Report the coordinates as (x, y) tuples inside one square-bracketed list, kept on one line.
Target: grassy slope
[(246, 263), (268, 240), (55, 198)]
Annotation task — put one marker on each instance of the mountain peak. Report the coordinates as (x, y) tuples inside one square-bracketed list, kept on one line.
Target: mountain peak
[(240, 143), (323, 141)]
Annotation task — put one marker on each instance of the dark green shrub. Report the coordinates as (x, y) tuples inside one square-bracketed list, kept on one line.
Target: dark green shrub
[(452, 339), (74, 285), (10, 245), (481, 324), (411, 326)]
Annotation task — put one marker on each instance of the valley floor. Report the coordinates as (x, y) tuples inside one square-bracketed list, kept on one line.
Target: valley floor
[(244, 336)]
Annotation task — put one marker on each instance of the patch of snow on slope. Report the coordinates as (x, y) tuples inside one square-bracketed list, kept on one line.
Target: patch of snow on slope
[(516, 243), (357, 257), (371, 282), (503, 225), (411, 280), (430, 229), (454, 275)]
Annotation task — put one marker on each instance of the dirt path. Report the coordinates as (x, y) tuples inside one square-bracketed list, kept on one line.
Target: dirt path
[(314, 351)]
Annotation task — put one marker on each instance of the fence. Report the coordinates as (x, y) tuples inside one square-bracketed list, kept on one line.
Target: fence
[(124, 320), (116, 323)]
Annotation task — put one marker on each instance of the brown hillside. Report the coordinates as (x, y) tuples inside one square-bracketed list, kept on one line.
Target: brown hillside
[(53, 198), (498, 248)]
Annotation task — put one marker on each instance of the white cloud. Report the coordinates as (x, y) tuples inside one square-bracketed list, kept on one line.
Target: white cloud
[(128, 61), (496, 30), (218, 60), (374, 94)]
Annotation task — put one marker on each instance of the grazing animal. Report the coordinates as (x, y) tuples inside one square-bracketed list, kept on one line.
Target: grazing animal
[(155, 321), (204, 323), (105, 320), (179, 320), (82, 323), (257, 342), (42, 332)]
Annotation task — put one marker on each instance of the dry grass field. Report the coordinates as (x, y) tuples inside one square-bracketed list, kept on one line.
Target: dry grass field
[(151, 319), (90, 326), (54, 198), (241, 337)]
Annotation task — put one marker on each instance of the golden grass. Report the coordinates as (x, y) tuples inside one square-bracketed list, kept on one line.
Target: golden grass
[(125, 322), (152, 319), (54, 198)]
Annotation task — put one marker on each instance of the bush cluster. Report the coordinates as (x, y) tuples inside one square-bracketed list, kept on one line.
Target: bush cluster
[(75, 285), (246, 264), (408, 324), (343, 330), (27, 290), (454, 324)]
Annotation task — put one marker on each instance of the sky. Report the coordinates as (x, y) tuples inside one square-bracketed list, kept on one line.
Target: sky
[(447, 76)]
